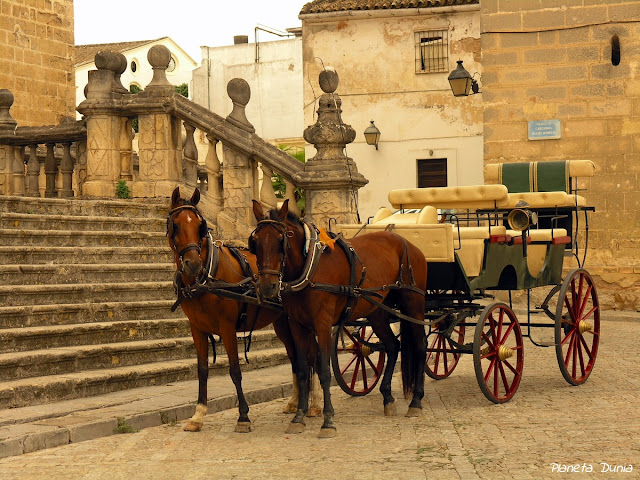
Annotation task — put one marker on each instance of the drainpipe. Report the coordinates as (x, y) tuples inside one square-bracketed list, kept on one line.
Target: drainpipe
[(208, 80)]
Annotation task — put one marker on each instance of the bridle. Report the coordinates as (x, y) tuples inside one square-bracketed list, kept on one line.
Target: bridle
[(202, 231), (281, 227)]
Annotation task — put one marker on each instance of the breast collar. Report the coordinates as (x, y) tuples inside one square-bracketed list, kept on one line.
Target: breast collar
[(313, 249)]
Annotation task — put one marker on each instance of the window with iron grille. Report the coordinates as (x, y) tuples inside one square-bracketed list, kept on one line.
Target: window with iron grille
[(432, 51)]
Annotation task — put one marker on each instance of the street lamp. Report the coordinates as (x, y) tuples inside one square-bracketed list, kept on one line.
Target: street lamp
[(372, 135), (461, 82)]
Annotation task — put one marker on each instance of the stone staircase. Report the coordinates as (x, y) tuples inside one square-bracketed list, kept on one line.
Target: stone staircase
[(85, 297)]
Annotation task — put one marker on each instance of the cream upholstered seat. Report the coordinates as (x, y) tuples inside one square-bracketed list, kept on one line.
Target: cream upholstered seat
[(468, 197)]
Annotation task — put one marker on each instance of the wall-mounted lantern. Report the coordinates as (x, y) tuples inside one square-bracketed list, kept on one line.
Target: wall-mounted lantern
[(372, 135), (461, 82)]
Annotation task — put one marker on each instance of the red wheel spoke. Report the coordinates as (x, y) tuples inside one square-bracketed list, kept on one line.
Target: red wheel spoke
[(496, 392), (570, 312), (491, 365), (374, 367), (586, 347), (566, 358), (574, 364), (587, 296), (570, 334), (354, 378), (500, 322), (364, 374), (580, 356), (492, 325), (488, 340), (506, 334), (591, 312), (511, 367), (505, 382)]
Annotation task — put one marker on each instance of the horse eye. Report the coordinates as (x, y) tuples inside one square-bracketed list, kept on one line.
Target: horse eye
[(175, 227)]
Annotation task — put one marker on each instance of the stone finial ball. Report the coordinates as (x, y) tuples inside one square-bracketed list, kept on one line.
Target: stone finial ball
[(107, 60), (239, 91), (122, 66), (328, 80), (159, 56), (6, 98)]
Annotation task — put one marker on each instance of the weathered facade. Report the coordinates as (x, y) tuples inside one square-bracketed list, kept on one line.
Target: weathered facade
[(579, 65), (382, 51), (36, 59)]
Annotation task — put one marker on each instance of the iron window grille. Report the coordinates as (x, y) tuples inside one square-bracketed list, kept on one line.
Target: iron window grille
[(432, 51)]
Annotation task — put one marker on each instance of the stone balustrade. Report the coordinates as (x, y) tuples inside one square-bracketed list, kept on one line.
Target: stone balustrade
[(238, 165)]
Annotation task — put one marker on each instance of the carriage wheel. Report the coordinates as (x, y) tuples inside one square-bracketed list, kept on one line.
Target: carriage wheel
[(577, 327), (441, 360), (356, 367), (498, 353)]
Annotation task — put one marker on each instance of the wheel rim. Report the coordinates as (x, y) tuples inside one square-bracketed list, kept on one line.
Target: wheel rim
[(498, 353), (356, 368), (441, 361), (577, 329)]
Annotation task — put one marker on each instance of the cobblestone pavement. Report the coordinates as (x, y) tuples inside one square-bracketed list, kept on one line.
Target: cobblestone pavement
[(460, 434)]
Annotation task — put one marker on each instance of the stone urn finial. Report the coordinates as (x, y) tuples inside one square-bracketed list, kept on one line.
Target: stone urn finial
[(239, 92), (159, 57), (6, 101), (122, 66)]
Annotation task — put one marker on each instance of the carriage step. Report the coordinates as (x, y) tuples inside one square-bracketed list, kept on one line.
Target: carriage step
[(148, 208), (62, 255), (78, 293), (40, 390), (14, 221), (85, 273), (75, 238), (72, 313), (59, 358)]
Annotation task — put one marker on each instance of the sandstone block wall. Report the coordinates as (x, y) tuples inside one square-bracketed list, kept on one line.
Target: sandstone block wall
[(36, 59), (556, 63)]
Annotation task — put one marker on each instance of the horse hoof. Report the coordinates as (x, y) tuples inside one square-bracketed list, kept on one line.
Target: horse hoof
[(243, 427), (314, 412), (414, 412), (295, 428), (290, 408), (192, 427), (390, 410), (327, 432)]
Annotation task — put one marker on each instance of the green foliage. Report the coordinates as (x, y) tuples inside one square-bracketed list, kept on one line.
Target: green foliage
[(182, 89), (122, 190), (280, 187), (124, 427), (133, 88)]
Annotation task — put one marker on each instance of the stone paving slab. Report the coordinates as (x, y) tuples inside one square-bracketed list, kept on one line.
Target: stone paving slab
[(549, 430)]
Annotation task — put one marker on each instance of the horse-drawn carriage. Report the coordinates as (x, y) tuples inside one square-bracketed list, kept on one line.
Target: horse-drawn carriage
[(513, 235), (510, 236)]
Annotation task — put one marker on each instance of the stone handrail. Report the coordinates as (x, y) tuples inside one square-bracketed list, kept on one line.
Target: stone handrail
[(24, 151)]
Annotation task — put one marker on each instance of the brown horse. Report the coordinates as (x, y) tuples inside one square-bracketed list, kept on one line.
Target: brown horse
[(210, 314), (336, 288)]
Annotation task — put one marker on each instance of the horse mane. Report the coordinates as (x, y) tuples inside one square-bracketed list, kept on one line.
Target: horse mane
[(273, 214)]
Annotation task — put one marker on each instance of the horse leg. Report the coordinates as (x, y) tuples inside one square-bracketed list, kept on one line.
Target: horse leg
[(315, 409), (380, 324), (230, 341), (303, 346), (202, 350), (328, 429), (419, 353), (281, 327)]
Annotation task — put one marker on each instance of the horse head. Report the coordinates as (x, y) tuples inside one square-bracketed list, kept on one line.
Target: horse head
[(186, 232), (271, 242)]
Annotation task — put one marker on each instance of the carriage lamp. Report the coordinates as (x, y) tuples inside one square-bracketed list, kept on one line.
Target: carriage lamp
[(461, 81), (372, 135)]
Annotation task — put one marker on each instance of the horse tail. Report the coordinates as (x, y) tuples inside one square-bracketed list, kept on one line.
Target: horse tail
[(407, 359)]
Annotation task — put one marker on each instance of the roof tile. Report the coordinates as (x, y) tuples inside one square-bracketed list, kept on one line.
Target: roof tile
[(325, 6)]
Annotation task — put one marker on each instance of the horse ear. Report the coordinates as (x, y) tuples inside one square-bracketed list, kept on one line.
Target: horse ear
[(257, 210), (195, 198), (284, 210), (175, 196)]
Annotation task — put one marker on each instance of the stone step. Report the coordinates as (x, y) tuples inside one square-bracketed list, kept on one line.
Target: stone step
[(55, 360), (55, 336), (66, 255), (51, 388), (89, 293), (149, 207), (80, 222), (47, 315), (74, 238), (85, 273)]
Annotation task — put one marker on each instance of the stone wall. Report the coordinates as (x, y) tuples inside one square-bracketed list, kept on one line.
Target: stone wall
[(557, 63), (36, 59)]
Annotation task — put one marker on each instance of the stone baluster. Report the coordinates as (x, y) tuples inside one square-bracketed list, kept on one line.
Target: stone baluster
[(7, 124), (126, 149), (50, 171), (18, 171), (212, 164), (190, 157), (330, 179), (290, 195), (66, 168), (33, 172), (81, 165), (267, 195)]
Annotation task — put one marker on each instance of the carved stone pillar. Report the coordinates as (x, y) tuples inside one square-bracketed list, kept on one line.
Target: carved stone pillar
[(50, 171), (33, 172), (190, 157), (159, 136), (66, 169), (330, 179), (18, 171), (126, 149), (212, 164), (7, 154)]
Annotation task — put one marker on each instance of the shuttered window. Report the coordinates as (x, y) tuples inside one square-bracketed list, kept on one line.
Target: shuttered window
[(432, 172)]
